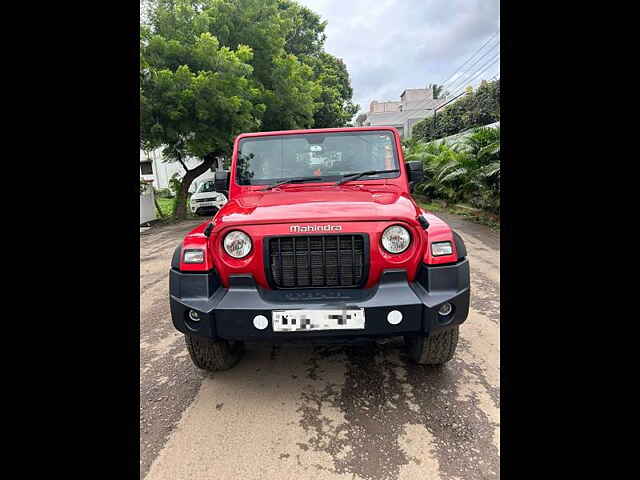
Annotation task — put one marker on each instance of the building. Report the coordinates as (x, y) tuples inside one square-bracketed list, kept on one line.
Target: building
[(153, 168), (415, 104)]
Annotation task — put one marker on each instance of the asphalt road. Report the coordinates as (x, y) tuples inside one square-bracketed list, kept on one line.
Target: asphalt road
[(298, 412)]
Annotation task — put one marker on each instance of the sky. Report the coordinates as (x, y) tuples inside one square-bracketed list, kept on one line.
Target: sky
[(391, 45)]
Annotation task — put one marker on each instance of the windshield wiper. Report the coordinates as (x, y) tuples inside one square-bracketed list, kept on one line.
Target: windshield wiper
[(293, 180), (354, 176)]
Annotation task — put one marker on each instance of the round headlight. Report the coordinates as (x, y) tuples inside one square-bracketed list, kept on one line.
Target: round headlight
[(237, 244), (396, 239)]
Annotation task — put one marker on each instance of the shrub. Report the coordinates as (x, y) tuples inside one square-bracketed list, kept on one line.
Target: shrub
[(465, 171), (479, 108)]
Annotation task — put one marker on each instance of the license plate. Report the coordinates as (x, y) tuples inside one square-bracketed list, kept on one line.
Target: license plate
[(310, 320)]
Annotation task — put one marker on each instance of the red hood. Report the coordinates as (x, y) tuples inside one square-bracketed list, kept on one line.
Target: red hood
[(318, 204)]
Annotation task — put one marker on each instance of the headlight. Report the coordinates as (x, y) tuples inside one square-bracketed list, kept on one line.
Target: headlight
[(441, 248), (237, 244), (194, 256), (396, 239)]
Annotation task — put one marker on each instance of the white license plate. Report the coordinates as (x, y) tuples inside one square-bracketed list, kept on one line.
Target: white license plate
[(309, 320)]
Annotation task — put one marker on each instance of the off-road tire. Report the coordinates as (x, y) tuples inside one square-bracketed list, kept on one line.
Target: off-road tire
[(435, 349), (213, 355)]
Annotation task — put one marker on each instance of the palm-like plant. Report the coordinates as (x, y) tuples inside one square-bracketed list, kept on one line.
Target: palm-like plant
[(468, 170), (484, 145), (435, 157), (437, 90)]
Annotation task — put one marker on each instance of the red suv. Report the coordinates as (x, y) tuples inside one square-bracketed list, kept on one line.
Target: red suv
[(320, 241)]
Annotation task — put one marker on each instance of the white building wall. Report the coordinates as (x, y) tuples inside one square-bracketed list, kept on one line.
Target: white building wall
[(147, 207), (163, 171)]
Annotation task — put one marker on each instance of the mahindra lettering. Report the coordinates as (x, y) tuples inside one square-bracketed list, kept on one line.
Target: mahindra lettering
[(319, 241)]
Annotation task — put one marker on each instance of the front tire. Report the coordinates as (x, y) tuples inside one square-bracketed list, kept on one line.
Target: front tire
[(213, 355), (436, 349)]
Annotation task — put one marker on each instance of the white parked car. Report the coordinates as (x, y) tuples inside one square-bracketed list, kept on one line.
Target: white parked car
[(206, 201)]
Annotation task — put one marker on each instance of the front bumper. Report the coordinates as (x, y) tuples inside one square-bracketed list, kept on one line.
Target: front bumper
[(205, 205), (228, 313)]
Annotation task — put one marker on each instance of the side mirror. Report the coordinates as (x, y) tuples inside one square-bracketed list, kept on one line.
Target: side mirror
[(221, 181), (415, 171)]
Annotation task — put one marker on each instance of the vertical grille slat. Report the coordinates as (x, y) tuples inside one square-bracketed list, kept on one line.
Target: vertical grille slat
[(353, 257), (338, 258), (280, 258), (317, 261), (295, 263), (324, 264)]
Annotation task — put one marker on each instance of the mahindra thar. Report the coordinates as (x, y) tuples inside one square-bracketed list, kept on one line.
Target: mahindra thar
[(320, 241)]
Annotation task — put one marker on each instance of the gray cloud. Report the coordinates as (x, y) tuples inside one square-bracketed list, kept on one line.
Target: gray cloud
[(390, 45)]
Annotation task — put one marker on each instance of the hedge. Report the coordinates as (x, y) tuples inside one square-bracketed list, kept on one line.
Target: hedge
[(473, 110)]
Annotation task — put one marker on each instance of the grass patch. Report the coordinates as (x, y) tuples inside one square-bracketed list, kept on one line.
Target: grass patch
[(491, 220), (167, 206)]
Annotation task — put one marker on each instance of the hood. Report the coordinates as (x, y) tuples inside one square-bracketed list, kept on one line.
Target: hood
[(320, 204)]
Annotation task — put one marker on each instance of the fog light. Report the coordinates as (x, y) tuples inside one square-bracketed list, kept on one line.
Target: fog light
[(394, 317), (260, 322), (445, 309), (193, 315)]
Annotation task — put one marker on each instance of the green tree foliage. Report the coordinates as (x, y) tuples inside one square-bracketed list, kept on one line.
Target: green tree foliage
[(305, 33), (305, 40), (479, 108), (211, 69), (466, 171), (335, 106), (437, 89)]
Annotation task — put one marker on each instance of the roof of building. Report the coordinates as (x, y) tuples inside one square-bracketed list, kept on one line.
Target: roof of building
[(397, 118), (412, 90)]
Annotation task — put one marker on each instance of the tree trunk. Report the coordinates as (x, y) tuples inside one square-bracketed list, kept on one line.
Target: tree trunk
[(180, 211)]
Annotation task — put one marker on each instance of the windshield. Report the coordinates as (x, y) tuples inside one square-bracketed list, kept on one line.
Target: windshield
[(269, 159), (206, 187)]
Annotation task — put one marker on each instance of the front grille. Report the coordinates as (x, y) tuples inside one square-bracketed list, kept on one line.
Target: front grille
[(317, 261)]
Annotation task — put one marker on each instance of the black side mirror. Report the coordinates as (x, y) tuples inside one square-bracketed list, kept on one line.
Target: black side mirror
[(415, 171), (221, 181)]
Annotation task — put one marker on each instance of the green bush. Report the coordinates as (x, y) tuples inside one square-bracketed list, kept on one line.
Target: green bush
[(465, 171), (479, 108)]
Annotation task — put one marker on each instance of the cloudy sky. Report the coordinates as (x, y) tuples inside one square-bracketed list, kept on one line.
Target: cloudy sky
[(390, 45)]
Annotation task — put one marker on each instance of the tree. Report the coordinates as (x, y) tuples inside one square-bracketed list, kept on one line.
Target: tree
[(437, 90), (305, 39), (195, 97), (288, 89), (335, 106), (305, 30), (211, 69)]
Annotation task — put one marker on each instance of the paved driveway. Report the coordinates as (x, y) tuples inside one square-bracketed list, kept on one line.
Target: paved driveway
[(297, 412)]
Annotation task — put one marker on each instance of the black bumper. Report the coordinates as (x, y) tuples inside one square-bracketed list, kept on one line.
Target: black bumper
[(228, 313)]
